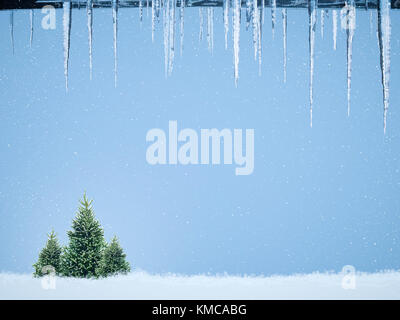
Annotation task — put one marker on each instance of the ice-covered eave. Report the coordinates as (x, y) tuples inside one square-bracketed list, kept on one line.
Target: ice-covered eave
[(37, 4)]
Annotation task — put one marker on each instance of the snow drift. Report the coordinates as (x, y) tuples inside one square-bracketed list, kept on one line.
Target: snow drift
[(141, 285)]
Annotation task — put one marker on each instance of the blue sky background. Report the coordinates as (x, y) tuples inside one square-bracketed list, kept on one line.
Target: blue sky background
[(318, 199)]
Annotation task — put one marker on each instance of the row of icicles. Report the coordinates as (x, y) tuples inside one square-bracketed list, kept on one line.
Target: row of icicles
[(255, 18)]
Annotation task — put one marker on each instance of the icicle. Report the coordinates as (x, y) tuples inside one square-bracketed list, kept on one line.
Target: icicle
[(256, 27), (273, 17), (210, 29), (201, 24), (166, 35), (259, 40), (153, 19), (171, 36), (66, 43), (141, 12), (258, 19), (334, 27), (226, 22), (115, 27), (67, 32), (256, 14), (89, 11), (312, 16), (284, 21), (157, 9), (350, 26), (147, 8), (249, 12), (31, 14), (236, 38), (12, 29), (252, 14), (182, 23), (384, 30), (322, 23)]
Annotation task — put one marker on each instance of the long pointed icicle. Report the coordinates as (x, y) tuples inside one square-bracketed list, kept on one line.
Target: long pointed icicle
[(322, 22), (258, 24), (12, 30), (157, 9), (236, 38), (253, 14), (334, 27), (166, 35), (284, 22), (31, 15), (384, 30), (171, 36), (155, 16), (226, 22), (350, 26), (67, 13), (260, 40), (249, 12), (182, 24), (201, 24), (115, 32), (153, 19), (210, 29), (89, 11), (140, 12), (312, 17), (273, 17)]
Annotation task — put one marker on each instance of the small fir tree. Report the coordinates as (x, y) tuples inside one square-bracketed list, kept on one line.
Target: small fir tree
[(113, 260), (86, 243), (49, 258)]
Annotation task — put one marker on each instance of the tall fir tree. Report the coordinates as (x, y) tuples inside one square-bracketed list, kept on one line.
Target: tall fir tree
[(86, 243), (113, 260), (49, 258)]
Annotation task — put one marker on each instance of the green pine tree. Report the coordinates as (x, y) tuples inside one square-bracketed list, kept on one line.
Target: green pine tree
[(86, 243), (49, 258), (113, 261)]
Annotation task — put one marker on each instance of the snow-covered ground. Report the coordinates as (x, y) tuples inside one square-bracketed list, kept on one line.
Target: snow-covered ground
[(141, 285)]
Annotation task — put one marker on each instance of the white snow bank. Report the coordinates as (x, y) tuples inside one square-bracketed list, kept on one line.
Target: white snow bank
[(141, 285)]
